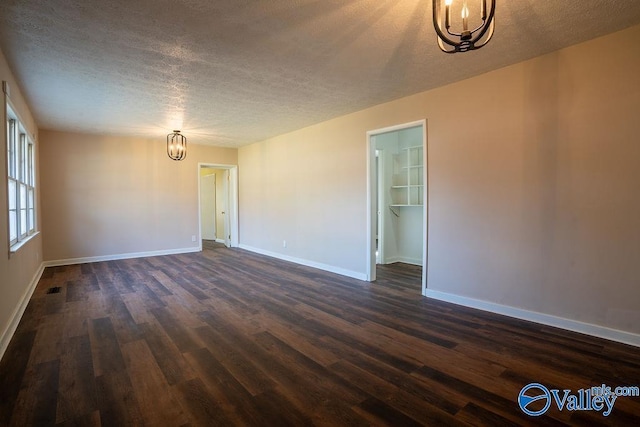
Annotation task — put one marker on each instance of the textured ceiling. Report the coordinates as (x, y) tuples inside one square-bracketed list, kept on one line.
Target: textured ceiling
[(232, 72)]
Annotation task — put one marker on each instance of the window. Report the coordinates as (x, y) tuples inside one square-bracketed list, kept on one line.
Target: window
[(21, 181)]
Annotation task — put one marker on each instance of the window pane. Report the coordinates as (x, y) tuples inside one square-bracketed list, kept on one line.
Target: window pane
[(22, 173), (22, 202), (23, 222), (12, 195), (23, 196), (31, 212), (11, 148), (32, 178), (13, 226), (32, 224)]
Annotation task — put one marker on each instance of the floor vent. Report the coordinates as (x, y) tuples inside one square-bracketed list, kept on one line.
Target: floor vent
[(54, 290)]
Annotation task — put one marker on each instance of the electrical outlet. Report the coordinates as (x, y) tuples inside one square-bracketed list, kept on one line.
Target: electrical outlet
[(193, 238), (284, 243)]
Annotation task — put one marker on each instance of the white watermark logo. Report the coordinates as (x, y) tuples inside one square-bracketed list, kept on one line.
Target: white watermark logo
[(535, 399)]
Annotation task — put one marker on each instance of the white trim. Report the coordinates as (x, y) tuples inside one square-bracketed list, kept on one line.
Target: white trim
[(406, 260), (372, 202), (542, 318), (380, 214), (220, 241), (7, 334), (396, 127), (308, 263), (115, 257), (16, 246), (425, 209)]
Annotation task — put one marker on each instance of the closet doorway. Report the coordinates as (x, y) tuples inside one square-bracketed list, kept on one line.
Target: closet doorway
[(218, 204), (397, 195)]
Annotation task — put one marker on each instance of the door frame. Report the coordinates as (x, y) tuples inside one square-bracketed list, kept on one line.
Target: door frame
[(372, 197), (380, 213), (232, 238)]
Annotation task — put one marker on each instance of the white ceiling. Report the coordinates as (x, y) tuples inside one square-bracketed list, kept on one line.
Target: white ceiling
[(232, 72)]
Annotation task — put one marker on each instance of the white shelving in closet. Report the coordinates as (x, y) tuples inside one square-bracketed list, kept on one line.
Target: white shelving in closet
[(407, 188)]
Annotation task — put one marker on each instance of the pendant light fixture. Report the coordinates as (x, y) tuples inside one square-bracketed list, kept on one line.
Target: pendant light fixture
[(460, 38), (176, 145)]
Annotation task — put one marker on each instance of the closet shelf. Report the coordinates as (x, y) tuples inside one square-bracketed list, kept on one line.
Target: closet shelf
[(407, 187)]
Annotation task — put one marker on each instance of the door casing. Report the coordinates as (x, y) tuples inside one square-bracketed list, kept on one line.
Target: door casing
[(372, 200)]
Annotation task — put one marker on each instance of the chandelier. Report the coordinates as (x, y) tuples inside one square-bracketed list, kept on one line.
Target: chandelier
[(176, 145), (461, 38)]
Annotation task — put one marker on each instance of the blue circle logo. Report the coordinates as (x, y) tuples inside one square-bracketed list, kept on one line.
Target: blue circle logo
[(531, 393)]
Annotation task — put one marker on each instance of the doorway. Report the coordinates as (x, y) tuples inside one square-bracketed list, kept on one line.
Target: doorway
[(398, 197), (218, 204), (209, 211)]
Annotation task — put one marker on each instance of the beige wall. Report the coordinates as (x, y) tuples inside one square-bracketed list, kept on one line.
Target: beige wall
[(534, 172), (18, 270), (104, 195)]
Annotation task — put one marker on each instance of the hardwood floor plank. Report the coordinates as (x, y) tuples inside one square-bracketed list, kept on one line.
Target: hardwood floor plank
[(117, 400), (166, 354), (77, 390), (492, 402), (276, 410), (48, 343), (233, 398), (292, 336), (179, 334), (328, 397), (124, 325), (320, 377), (386, 413), (475, 415), (157, 404), (75, 319), (12, 370), (242, 369), (37, 401), (105, 348), (427, 408), (88, 420), (200, 405)]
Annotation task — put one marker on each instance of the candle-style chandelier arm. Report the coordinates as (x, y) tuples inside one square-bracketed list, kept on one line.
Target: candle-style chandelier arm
[(472, 31), (467, 39), (489, 30)]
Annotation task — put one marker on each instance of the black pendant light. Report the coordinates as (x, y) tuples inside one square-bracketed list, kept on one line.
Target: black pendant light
[(176, 145), (461, 38)]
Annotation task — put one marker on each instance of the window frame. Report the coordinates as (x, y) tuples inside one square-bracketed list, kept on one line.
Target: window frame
[(22, 219)]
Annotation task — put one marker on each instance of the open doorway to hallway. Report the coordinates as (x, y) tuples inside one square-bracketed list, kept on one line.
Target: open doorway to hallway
[(218, 204), (398, 197)]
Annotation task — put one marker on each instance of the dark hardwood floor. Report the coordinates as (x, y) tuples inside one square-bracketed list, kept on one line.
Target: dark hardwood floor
[(226, 337)]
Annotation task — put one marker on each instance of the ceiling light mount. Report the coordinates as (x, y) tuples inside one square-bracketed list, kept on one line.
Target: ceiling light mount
[(464, 39), (176, 145)]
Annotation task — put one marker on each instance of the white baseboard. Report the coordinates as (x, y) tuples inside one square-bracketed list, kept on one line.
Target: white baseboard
[(412, 261), (545, 319), (116, 257), (308, 263), (220, 241), (7, 334)]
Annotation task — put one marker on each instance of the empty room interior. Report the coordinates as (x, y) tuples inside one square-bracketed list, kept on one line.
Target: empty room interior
[(354, 212)]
